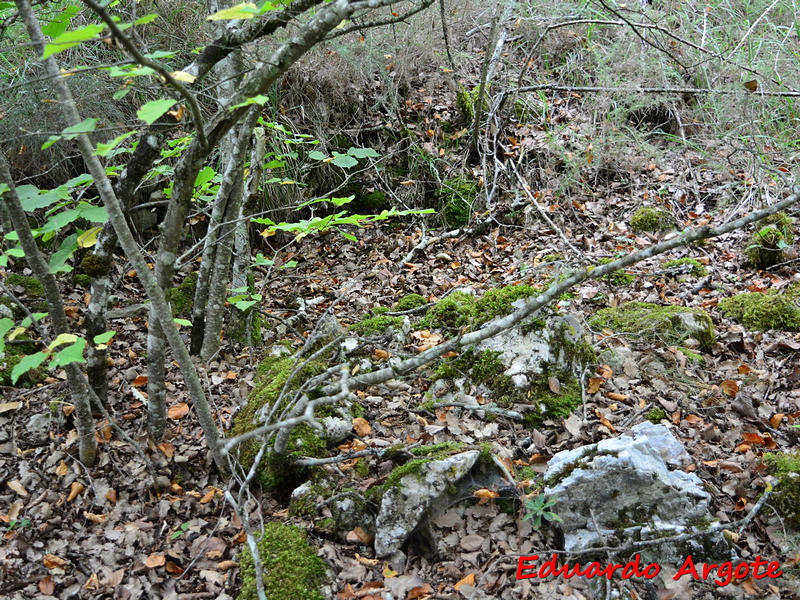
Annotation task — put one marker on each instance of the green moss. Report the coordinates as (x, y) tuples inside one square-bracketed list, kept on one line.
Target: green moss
[(32, 286), (765, 247), (457, 199), (15, 309), (694, 266), (617, 277), (356, 409), (95, 266), (412, 466), (377, 324), (656, 415), (652, 219), (533, 324), (10, 356), (409, 302), (271, 376), (762, 311), (654, 322), (550, 405), (438, 451), (553, 257), (82, 280), (181, 297), (452, 312), (485, 455), (498, 301), (291, 567), (786, 498)]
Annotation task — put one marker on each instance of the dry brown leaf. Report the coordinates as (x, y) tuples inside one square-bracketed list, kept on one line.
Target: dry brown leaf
[(51, 561), (730, 387), (62, 469), (155, 560), (93, 583), (468, 580), (167, 449), (178, 411), (172, 568), (231, 375), (554, 384), (485, 495), (17, 487), (208, 496), (226, 565), (420, 591), (111, 495), (9, 406), (362, 426), (605, 371), (369, 562), (47, 586), (95, 518), (359, 535), (140, 381), (74, 490), (595, 383), (114, 579), (381, 354), (617, 397), (775, 420)]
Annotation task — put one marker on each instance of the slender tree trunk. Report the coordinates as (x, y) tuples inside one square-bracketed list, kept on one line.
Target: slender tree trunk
[(84, 423), (241, 239), (190, 166)]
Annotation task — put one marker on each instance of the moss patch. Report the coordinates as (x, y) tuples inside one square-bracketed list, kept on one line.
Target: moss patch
[(617, 277), (32, 286), (409, 302), (11, 355), (652, 219), (692, 265), (377, 324), (181, 297), (95, 266), (654, 322), (82, 280), (656, 415), (460, 309), (271, 376), (766, 246), (762, 311), (786, 499), (457, 198), (291, 567)]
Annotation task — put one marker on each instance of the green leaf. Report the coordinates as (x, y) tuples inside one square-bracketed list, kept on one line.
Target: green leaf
[(267, 6), (104, 148), (72, 38), (349, 236), (316, 155), (343, 160), (59, 25), (243, 305), (146, 19), (62, 338), (85, 126), (89, 237), (3, 188), (363, 153), (205, 175), (59, 258), (152, 110), (260, 99), (70, 354), (121, 93), (90, 212), (50, 141), (27, 363), (341, 201), (245, 10), (103, 338), (5, 326), (183, 322)]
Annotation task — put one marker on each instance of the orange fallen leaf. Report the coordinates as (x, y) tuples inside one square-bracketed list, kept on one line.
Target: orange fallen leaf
[(468, 580), (230, 375), (62, 469), (484, 495), (208, 496), (595, 383), (419, 592), (617, 397), (167, 449), (47, 586), (693, 419), (362, 426), (730, 387), (744, 369), (172, 568), (111, 496), (381, 354), (178, 411), (74, 490), (140, 381), (51, 561), (155, 560), (95, 518), (775, 420), (605, 371)]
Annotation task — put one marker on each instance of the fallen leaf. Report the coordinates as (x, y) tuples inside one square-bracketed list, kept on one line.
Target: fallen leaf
[(616, 396), (554, 384), (9, 406), (362, 426), (17, 487), (775, 420), (140, 381), (485, 495), (595, 383), (172, 568), (208, 496), (74, 490), (730, 387), (178, 411), (95, 518), (111, 495), (155, 560), (62, 469), (51, 561), (369, 562), (47, 586), (388, 572), (92, 583), (167, 449), (468, 580), (419, 592), (381, 354)]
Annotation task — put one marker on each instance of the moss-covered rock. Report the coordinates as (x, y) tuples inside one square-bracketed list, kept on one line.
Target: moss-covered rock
[(409, 302), (786, 499), (181, 297), (762, 311), (291, 567), (376, 324), (766, 246), (271, 376), (652, 219), (82, 280), (31, 285), (95, 266), (670, 324), (466, 101), (460, 309), (689, 265)]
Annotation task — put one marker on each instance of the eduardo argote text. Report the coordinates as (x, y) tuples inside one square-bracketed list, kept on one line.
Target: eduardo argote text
[(724, 573)]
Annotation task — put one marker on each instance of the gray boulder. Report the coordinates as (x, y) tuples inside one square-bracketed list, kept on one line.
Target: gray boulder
[(406, 501)]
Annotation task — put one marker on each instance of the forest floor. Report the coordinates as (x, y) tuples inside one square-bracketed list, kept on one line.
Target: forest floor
[(104, 533)]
